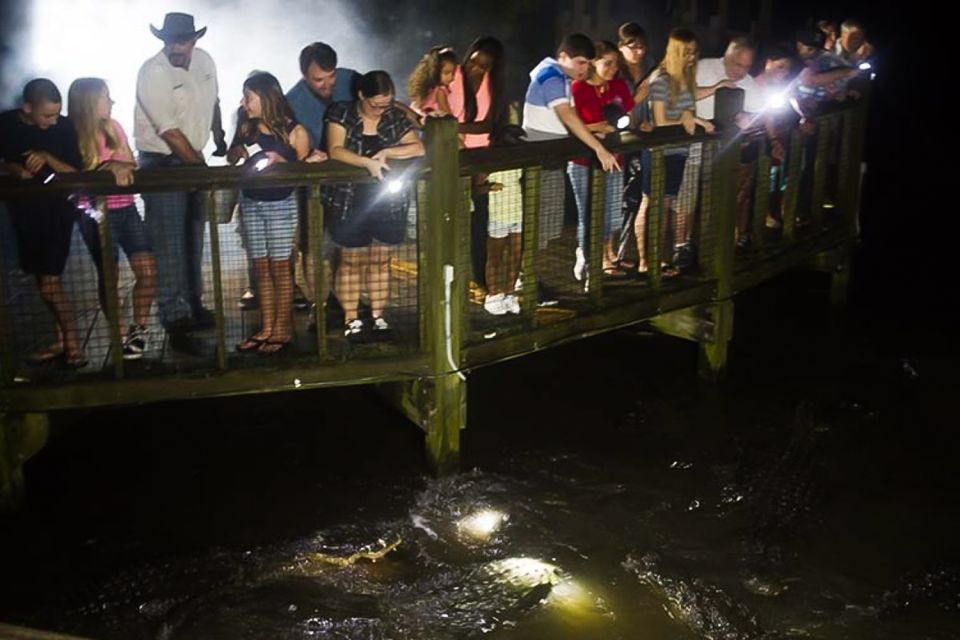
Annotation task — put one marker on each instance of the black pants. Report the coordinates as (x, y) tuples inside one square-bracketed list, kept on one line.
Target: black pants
[(478, 238)]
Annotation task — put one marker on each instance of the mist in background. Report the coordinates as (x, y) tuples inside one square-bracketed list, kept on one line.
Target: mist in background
[(67, 39)]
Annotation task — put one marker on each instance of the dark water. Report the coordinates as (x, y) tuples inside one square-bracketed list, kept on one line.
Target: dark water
[(811, 495)]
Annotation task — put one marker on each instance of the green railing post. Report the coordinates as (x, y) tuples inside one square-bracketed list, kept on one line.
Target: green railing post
[(108, 264), (7, 361), (850, 162), (211, 208), (531, 217), (713, 352), (595, 237), (706, 225), (320, 293), (423, 292), (824, 131), (761, 201), (655, 212), (446, 283), (794, 159)]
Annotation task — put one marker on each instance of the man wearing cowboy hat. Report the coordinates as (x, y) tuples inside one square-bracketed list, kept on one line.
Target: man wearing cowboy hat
[(177, 109)]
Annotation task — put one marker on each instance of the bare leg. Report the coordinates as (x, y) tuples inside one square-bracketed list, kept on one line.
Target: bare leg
[(496, 267), (282, 299), (640, 232), (144, 267), (378, 278), (513, 261), (51, 290), (682, 226), (267, 295), (347, 282)]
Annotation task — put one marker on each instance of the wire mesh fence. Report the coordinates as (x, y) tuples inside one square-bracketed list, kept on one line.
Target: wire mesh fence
[(176, 282)]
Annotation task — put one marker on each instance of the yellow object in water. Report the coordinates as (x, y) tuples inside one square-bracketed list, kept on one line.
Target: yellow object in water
[(365, 553)]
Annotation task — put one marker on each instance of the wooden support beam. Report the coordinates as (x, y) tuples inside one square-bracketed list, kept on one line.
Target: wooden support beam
[(22, 435), (318, 264), (108, 264), (595, 239), (217, 268), (713, 353), (446, 279), (693, 323)]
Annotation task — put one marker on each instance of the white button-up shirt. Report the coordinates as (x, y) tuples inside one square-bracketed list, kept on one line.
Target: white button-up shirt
[(169, 97)]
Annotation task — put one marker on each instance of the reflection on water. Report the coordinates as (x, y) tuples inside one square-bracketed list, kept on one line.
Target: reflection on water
[(809, 500)]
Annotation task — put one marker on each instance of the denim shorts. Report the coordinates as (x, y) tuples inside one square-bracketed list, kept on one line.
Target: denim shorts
[(128, 230), (673, 165), (270, 227)]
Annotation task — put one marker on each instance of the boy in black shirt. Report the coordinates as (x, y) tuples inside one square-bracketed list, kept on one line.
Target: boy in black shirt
[(36, 143)]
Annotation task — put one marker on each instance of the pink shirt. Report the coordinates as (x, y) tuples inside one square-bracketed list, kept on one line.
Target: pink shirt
[(457, 107), (431, 103), (106, 154)]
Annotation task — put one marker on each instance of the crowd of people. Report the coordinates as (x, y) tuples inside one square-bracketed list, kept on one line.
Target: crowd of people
[(588, 90)]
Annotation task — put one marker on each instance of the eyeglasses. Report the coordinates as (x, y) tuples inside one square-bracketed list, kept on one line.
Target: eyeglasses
[(379, 107)]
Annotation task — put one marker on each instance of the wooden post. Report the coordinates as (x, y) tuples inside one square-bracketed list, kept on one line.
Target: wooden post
[(217, 280), (446, 284), (794, 159), (108, 264), (824, 131), (595, 237), (21, 437), (7, 359), (531, 217), (655, 213), (713, 353), (315, 234), (761, 201)]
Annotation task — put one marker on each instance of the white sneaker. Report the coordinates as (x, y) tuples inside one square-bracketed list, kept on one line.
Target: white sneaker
[(353, 329), (580, 267), (495, 304), (512, 303)]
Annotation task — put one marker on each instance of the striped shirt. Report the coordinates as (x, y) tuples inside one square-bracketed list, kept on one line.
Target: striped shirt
[(549, 88), (660, 92)]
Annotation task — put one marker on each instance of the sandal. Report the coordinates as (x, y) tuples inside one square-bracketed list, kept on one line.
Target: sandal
[(76, 359), (46, 355), (614, 271), (253, 343), (270, 347)]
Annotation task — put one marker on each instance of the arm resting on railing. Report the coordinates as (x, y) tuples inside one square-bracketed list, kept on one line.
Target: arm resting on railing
[(568, 116), (181, 147)]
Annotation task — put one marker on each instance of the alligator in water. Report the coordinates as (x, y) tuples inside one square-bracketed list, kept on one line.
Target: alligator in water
[(703, 607), (780, 498)]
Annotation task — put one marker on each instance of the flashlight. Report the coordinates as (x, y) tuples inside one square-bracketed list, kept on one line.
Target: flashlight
[(777, 101), (614, 114), (865, 66), (394, 185)]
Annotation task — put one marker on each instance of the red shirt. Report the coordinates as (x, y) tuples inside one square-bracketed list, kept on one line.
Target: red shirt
[(589, 100)]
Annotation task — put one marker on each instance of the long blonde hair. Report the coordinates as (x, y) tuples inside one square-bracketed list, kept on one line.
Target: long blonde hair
[(679, 76), (82, 110)]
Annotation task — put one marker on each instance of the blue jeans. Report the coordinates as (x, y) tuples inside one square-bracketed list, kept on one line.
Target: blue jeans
[(580, 181), (176, 232)]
